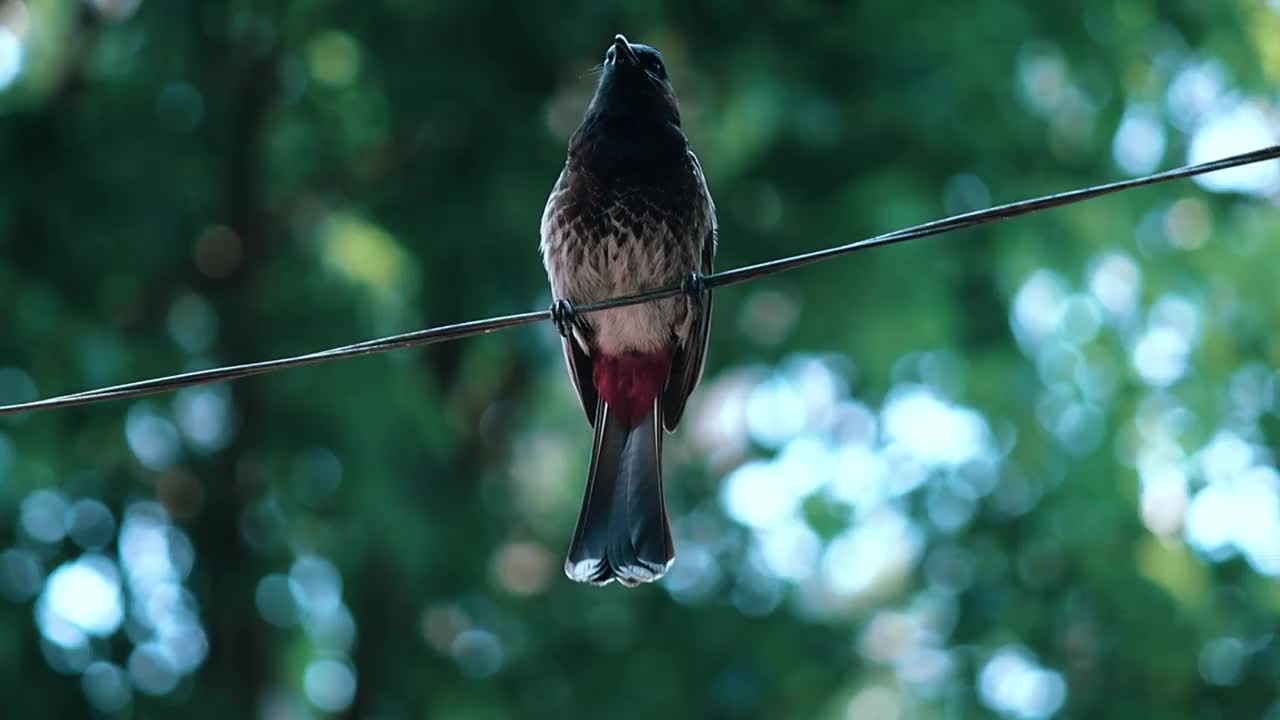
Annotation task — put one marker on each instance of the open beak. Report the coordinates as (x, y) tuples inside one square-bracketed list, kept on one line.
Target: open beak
[(622, 52)]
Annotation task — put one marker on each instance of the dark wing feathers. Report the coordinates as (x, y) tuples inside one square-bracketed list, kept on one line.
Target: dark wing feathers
[(579, 364), (691, 357)]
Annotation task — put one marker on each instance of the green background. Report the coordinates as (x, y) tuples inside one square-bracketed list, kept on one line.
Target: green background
[(1023, 471)]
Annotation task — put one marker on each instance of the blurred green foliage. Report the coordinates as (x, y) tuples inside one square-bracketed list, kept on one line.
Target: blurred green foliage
[(1022, 471)]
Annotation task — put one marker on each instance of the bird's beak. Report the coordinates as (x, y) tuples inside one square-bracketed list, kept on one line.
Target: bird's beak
[(623, 54)]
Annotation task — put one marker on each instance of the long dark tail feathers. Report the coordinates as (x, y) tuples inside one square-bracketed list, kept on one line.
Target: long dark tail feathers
[(623, 531)]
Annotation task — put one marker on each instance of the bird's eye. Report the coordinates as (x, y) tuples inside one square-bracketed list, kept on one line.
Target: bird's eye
[(654, 65), (609, 55)]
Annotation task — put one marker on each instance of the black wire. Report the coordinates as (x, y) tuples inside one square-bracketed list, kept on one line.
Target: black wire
[(990, 215), (728, 277), (233, 372)]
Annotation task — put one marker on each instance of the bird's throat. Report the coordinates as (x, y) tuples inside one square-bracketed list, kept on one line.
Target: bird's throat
[(636, 150)]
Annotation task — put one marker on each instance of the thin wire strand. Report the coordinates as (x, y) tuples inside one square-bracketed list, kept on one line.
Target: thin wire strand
[(457, 331)]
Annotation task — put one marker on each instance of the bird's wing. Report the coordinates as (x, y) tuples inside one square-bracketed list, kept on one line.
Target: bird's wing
[(579, 364), (691, 355), (576, 358)]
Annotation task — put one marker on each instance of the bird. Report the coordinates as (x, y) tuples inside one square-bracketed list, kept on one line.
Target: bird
[(630, 212)]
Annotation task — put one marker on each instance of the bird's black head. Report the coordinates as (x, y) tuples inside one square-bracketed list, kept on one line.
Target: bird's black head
[(634, 88), (631, 131)]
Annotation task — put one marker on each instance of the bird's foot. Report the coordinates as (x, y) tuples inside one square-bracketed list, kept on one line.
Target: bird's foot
[(564, 317), (694, 285)]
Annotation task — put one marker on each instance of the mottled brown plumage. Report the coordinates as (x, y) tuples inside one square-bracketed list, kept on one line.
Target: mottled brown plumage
[(630, 212)]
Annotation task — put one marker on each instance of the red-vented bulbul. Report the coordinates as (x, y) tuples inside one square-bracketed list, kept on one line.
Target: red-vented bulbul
[(630, 212)]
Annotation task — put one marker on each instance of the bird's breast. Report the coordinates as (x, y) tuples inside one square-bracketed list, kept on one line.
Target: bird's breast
[(601, 241)]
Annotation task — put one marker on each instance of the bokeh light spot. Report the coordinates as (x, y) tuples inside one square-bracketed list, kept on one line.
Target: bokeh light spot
[(524, 568), (1037, 306), (152, 670), (333, 57), (43, 516), (1012, 684), (369, 256), (318, 583), (277, 599), (1239, 128), (478, 653), (1160, 356), (205, 417), (91, 524), (107, 687), (20, 574), (1222, 660), (1139, 142), (10, 57), (330, 684), (316, 473), (932, 430), (193, 324), (152, 437), (117, 10), (1115, 280), (965, 193), (80, 598), (16, 386), (1189, 224), (872, 555), (216, 251), (874, 701), (754, 496)]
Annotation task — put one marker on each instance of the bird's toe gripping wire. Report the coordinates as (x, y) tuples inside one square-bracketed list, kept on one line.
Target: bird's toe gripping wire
[(564, 317), (694, 285)]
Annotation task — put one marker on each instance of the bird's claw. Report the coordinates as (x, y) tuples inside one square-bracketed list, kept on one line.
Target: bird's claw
[(694, 285), (564, 317)]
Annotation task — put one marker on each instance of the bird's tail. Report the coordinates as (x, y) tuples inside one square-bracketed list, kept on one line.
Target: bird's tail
[(623, 532)]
